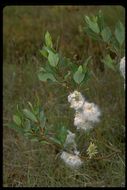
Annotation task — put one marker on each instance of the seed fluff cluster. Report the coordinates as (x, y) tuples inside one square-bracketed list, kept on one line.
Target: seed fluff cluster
[(122, 68), (86, 113), (71, 159)]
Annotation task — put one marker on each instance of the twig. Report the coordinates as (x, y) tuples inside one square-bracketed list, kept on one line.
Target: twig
[(101, 157)]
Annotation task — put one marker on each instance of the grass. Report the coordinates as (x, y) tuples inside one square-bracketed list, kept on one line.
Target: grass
[(30, 164)]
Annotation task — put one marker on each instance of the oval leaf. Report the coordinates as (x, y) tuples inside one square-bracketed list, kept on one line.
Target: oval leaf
[(44, 52), (120, 33), (17, 120), (48, 40), (106, 34), (91, 34), (93, 25), (42, 119), (46, 76), (53, 58), (30, 115), (63, 134), (109, 62), (87, 61), (78, 75), (100, 20), (44, 142)]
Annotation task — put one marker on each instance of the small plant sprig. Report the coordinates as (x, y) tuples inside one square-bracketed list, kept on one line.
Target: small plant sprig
[(92, 150), (61, 70), (31, 121), (111, 41)]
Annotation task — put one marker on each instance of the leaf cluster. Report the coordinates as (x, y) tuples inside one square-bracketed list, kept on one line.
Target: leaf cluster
[(112, 41), (60, 69)]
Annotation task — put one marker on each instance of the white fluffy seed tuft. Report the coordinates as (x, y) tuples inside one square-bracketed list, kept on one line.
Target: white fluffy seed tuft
[(71, 160), (122, 67), (76, 100)]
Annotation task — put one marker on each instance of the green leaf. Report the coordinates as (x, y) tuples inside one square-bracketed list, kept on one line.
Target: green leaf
[(27, 125), (62, 134), (41, 115), (48, 68), (106, 34), (120, 33), (87, 61), (91, 34), (55, 140), (42, 118), (28, 135), (53, 58), (44, 52), (46, 76), (93, 25), (48, 40), (44, 142), (73, 67), (30, 115), (79, 75), (100, 20), (31, 106), (109, 62), (17, 120), (87, 76), (115, 46), (94, 18)]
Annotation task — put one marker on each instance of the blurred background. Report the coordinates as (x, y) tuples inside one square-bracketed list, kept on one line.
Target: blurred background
[(28, 163)]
